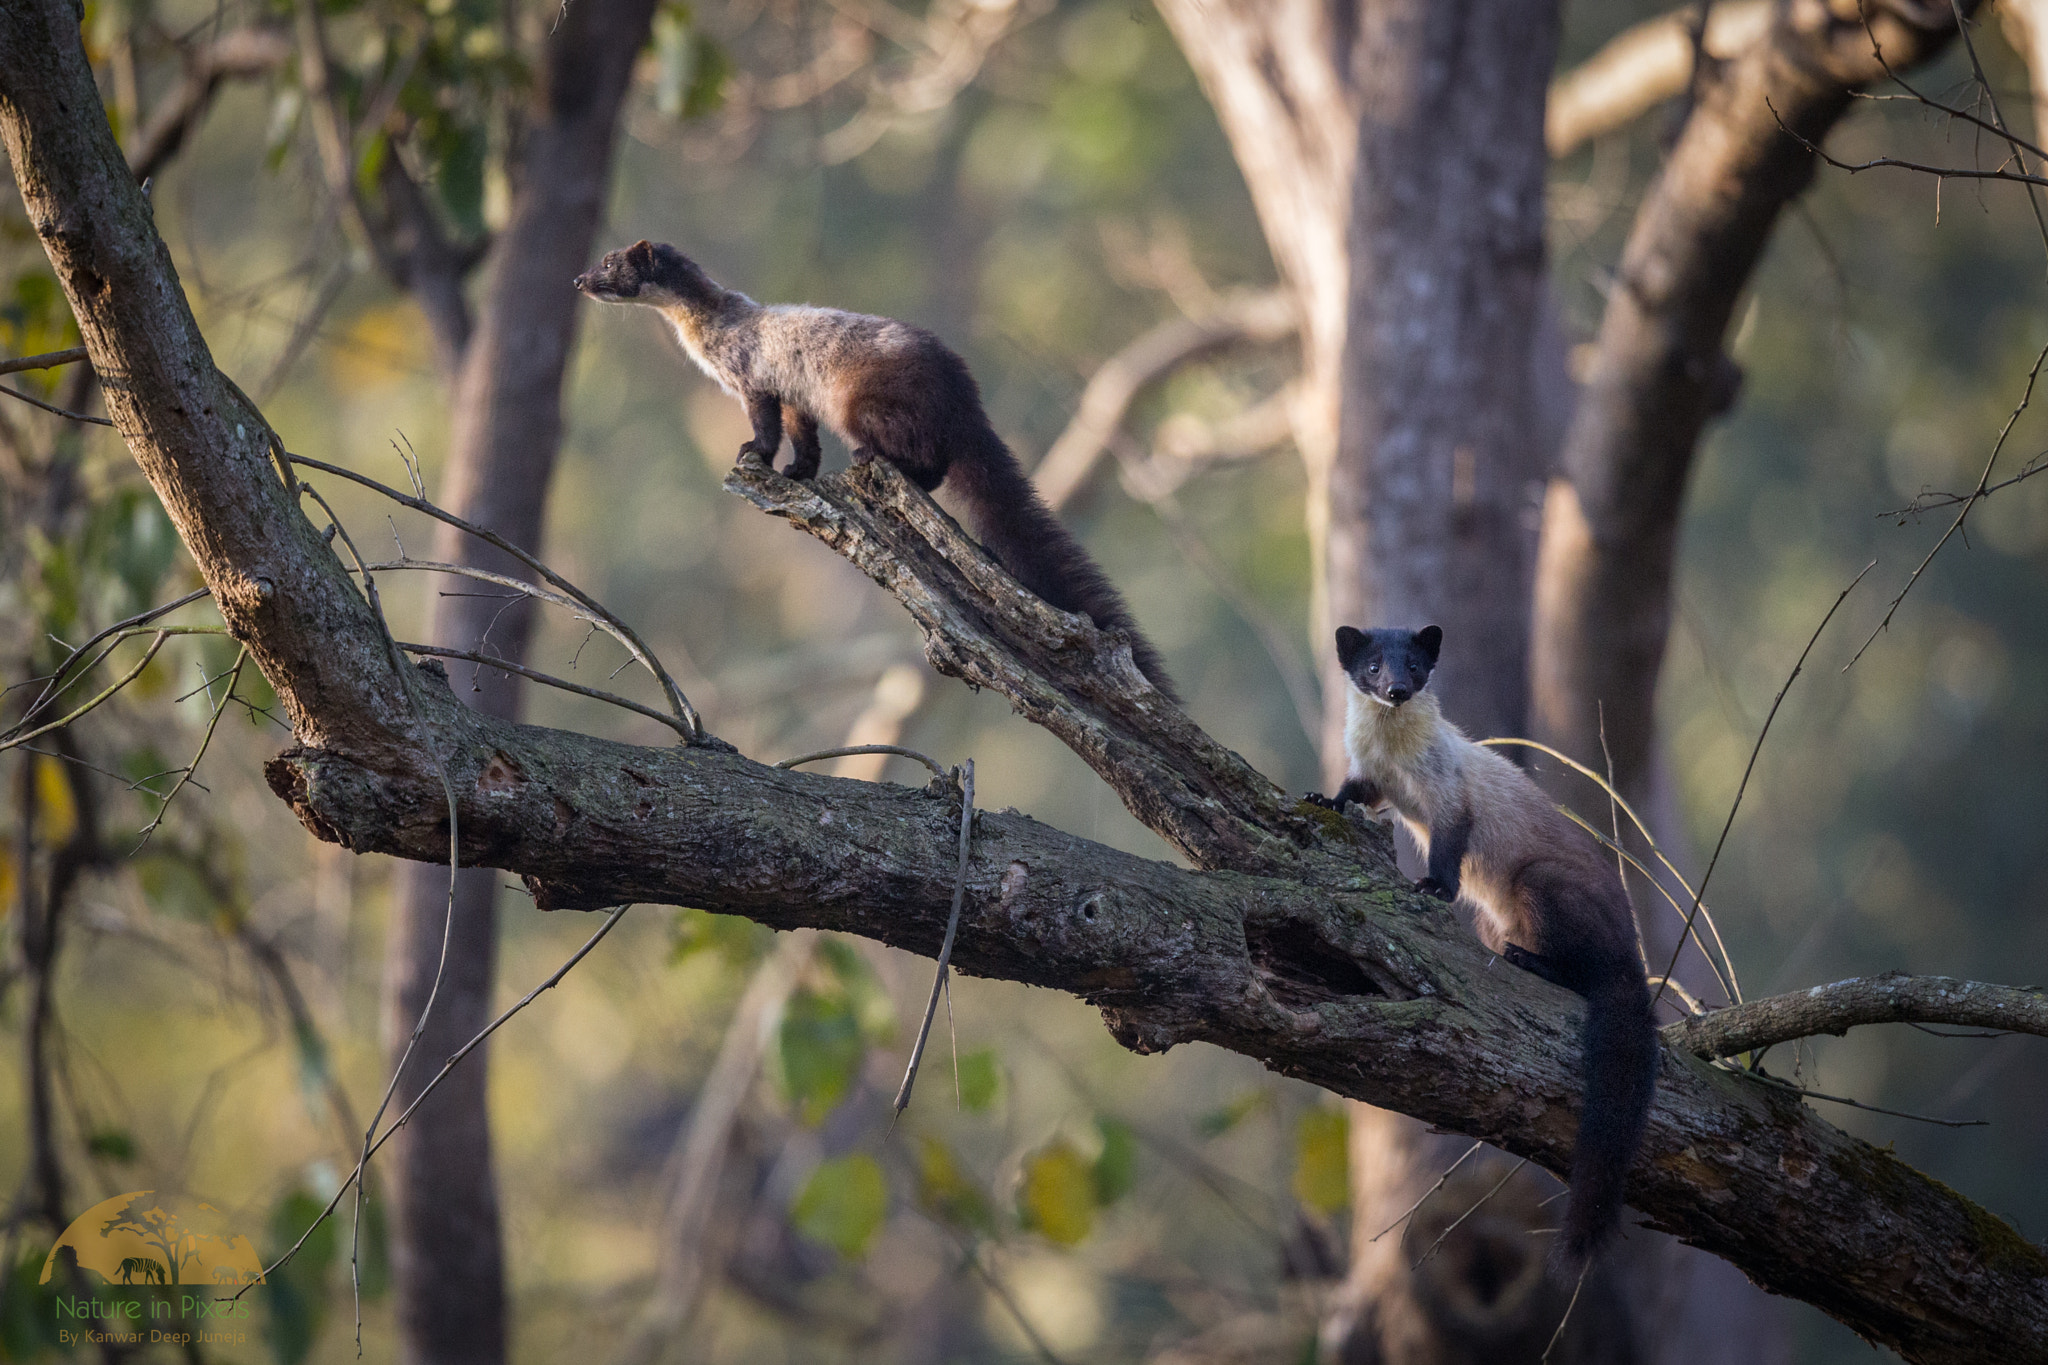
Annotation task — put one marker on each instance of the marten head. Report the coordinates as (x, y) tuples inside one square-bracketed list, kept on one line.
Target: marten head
[(1390, 666), (651, 273)]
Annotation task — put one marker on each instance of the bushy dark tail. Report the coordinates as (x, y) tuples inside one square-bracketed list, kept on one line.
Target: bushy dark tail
[(1621, 1077), (1016, 526)]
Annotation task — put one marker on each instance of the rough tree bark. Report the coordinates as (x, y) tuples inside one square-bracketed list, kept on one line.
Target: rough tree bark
[(1310, 954), (507, 424)]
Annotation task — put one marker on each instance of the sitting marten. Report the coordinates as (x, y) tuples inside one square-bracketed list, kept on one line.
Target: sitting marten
[(888, 389), (1547, 899)]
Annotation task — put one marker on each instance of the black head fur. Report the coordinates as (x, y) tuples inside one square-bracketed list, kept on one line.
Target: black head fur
[(648, 272), (1389, 665)]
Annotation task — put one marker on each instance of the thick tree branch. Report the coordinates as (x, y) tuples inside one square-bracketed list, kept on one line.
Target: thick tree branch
[(1893, 998), (1641, 67), (246, 52), (1603, 581), (1307, 953)]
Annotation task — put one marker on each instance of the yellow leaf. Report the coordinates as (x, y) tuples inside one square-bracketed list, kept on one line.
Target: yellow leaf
[(1322, 1160), (56, 812), (1057, 1196)]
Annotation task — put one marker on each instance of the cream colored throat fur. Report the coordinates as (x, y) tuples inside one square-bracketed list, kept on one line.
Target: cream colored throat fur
[(1428, 772)]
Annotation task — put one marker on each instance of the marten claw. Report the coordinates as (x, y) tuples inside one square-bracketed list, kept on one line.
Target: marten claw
[(1430, 886), (1335, 803)]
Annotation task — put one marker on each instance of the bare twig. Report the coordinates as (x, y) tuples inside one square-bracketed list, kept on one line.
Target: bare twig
[(1409, 1212), (1501, 1185), (371, 1149), (1804, 1093), (851, 749), (952, 929), (49, 360), (1977, 495), (612, 624), (1266, 316), (535, 675), (156, 643), (212, 724), (53, 408), (1699, 894)]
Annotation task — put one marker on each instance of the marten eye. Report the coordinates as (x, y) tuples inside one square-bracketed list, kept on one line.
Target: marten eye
[(1373, 669)]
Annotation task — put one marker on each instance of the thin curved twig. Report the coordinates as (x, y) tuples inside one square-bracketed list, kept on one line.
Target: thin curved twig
[(1727, 979), (355, 1176), (622, 632), (686, 714), (547, 679), (849, 750), (1699, 894), (49, 360), (192, 768)]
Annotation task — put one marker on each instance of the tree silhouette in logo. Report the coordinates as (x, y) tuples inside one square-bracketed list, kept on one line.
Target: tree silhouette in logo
[(168, 1232)]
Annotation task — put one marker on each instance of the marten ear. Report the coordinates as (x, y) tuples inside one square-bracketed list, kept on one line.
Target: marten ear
[(641, 253), (1350, 644), (1431, 638)]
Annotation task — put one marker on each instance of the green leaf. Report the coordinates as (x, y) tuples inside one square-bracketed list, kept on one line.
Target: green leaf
[(1322, 1160), (946, 1193), (1057, 1195), (843, 1204), (295, 1294), (1116, 1166), (739, 940), (112, 1144), (818, 1052), (864, 993), (28, 1310), (1217, 1122), (980, 1078)]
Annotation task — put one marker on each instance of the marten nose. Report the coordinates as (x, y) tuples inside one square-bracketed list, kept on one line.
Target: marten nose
[(1398, 694)]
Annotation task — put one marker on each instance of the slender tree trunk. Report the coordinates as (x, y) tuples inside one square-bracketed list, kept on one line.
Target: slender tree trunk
[(507, 428)]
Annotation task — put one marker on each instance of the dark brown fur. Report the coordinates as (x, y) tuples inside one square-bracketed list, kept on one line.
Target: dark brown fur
[(889, 389)]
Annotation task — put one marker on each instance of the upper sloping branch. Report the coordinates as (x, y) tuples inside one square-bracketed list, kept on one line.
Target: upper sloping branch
[(1057, 669), (1307, 952)]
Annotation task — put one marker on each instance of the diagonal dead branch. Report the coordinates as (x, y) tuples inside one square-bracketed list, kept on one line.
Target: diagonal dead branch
[(1057, 669)]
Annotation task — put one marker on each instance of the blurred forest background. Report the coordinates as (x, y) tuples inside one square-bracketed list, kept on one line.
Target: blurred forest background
[(1040, 183)]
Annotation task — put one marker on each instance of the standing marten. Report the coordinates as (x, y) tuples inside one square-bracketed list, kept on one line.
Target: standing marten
[(888, 389), (1547, 899)]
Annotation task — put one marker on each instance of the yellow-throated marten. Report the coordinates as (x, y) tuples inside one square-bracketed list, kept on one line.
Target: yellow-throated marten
[(889, 389), (1548, 900)]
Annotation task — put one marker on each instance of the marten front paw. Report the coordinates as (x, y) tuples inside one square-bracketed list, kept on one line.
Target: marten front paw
[(752, 451), (801, 469), (1430, 886), (1335, 803)]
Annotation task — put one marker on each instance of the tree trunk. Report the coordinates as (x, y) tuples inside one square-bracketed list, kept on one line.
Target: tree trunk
[(507, 425), (1396, 156)]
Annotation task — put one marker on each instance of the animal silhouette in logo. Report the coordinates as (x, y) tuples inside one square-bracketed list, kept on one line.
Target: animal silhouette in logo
[(148, 1267), (144, 1238)]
